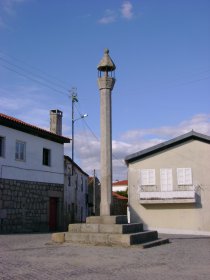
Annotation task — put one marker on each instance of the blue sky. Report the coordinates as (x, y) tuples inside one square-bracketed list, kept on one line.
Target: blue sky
[(161, 51)]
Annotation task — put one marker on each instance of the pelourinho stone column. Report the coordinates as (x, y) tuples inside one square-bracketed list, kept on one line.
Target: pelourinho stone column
[(106, 83)]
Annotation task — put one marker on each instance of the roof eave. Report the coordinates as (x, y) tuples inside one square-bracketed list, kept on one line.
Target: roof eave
[(192, 135), (35, 131)]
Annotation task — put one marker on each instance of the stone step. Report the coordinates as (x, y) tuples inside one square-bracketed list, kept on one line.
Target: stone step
[(111, 238), (143, 237), (121, 219), (157, 242), (106, 228)]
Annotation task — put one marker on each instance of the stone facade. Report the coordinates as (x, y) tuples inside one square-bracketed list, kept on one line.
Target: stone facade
[(25, 206)]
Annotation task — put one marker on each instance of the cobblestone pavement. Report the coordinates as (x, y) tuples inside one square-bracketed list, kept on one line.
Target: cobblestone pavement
[(26, 257)]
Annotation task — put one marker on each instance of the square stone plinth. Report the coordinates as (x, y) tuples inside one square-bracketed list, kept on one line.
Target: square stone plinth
[(121, 219)]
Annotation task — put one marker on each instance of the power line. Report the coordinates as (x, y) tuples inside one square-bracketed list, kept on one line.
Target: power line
[(33, 79), (31, 73), (113, 155), (35, 68), (190, 82)]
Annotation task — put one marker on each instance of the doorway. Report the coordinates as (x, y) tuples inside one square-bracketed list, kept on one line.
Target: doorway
[(53, 207)]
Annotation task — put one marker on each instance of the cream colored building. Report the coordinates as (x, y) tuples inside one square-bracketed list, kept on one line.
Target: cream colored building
[(169, 185)]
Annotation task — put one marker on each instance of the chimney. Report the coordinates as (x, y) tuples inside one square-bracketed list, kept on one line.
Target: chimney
[(56, 121)]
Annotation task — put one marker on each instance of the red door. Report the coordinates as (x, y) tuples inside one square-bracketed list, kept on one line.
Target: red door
[(53, 214)]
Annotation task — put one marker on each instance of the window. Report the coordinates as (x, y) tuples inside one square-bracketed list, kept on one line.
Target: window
[(69, 180), (147, 177), (20, 150), (184, 176), (76, 181), (46, 157), (2, 147), (166, 179), (81, 184)]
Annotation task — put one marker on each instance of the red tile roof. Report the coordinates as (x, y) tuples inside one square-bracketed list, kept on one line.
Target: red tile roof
[(120, 183), (17, 124), (118, 196)]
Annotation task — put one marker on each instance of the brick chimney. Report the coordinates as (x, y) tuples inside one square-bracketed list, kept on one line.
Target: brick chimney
[(56, 121)]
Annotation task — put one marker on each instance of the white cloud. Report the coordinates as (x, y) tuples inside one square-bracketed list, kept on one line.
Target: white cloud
[(88, 148), (199, 123), (126, 10), (109, 17), (28, 104), (8, 9)]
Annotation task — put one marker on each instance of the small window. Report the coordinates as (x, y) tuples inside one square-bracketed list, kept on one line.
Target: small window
[(148, 177), (184, 176), (81, 184), (2, 146), (20, 151), (46, 157), (69, 180)]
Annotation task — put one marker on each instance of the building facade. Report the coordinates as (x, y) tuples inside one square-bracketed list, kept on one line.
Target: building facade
[(31, 176), (169, 185), (75, 193), (94, 196)]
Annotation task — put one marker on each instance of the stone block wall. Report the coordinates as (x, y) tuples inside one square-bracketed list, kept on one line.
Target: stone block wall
[(24, 206)]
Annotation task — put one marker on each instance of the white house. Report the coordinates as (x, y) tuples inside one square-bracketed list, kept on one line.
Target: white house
[(31, 175), (169, 185), (75, 192), (121, 185)]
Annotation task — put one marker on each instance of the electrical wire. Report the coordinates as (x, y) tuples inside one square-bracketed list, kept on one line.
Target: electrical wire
[(113, 155), (33, 79), (59, 82)]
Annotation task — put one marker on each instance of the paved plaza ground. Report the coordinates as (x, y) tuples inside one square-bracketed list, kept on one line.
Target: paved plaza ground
[(33, 256)]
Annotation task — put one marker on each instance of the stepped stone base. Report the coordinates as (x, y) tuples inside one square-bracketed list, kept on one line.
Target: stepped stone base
[(109, 230), (120, 219), (111, 238)]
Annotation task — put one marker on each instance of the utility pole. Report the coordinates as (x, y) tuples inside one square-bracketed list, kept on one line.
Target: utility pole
[(94, 191), (73, 100)]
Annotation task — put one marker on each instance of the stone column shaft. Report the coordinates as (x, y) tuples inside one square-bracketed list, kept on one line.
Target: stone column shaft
[(105, 86)]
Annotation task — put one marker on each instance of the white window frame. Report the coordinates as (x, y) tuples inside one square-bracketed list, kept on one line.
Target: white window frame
[(2, 146), (20, 150), (147, 177), (166, 179), (184, 176)]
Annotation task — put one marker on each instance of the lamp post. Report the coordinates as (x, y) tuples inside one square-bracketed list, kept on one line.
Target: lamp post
[(74, 99)]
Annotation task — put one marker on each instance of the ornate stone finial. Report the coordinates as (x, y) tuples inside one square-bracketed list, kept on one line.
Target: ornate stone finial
[(106, 64)]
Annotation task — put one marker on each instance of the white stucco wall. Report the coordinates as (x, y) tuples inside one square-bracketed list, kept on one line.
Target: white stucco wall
[(74, 193), (32, 168), (119, 188), (174, 218)]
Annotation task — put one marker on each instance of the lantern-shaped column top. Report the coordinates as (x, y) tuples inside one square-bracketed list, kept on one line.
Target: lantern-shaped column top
[(106, 64)]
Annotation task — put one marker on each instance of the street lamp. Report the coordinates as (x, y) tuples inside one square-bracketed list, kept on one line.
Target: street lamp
[(74, 99)]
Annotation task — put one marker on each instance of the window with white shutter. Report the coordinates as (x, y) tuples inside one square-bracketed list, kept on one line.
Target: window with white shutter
[(147, 177), (20, 151), (166, 179), (184, 176)]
